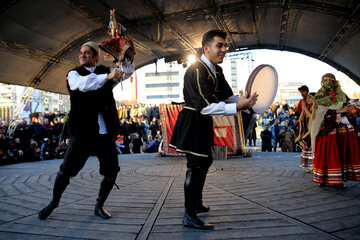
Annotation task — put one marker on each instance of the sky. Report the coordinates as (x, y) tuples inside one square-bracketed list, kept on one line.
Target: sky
[(295, 67)]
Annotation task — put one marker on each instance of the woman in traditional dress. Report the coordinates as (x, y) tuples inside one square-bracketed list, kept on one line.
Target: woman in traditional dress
[(337, 153), (303, 139)]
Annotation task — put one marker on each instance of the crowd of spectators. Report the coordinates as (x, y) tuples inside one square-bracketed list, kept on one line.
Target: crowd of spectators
[(46, 136), (279, 126)]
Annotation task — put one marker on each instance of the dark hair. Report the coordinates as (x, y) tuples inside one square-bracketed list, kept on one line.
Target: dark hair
[(303, 87), (209, 36)]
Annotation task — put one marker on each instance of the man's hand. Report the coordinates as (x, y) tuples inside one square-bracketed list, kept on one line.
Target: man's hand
[(116, 74), (247, 102)]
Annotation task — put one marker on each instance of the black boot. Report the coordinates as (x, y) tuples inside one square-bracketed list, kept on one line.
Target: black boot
[(60, 185), (192, 221), (192, 190), (101, 211), (200, 208), (105, 189)]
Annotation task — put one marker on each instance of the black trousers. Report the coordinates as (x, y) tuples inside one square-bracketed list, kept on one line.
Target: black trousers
[(197, 168), (81, 148), (266, 148)]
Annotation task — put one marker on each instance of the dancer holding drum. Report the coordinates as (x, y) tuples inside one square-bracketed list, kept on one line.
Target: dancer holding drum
[(206, 93)]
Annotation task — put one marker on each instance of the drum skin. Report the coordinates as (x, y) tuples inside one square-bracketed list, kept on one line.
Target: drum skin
[(264, 81)]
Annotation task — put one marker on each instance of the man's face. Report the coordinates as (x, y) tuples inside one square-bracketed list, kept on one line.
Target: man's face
[(216, 50), (303, 93), (86, 57)]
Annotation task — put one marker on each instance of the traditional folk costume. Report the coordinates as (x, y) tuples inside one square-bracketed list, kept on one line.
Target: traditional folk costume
[(206, 93), (303, 140), (91, 96), (193, 132), (337, 153)]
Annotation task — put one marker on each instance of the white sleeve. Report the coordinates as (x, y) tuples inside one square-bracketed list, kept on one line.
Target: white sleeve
[(220, 109), (86, 83), (345, 120), (228, 107)]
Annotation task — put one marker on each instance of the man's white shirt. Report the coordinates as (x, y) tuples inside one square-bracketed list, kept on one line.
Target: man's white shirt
[(93, 82), (224, 108)]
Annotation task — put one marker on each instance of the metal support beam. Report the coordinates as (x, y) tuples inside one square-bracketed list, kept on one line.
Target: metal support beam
[(83, 10), (254, 23), (32, 52), (342, 31), (218, 18), (186, 42), (234, 8), (285, 12), (5, 5)]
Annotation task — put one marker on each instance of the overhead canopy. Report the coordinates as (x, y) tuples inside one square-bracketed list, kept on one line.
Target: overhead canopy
[(40, 40)]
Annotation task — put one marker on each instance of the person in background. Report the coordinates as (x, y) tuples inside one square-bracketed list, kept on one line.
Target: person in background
[(47, 129), (287, 136), (155, 112), (151, 147), (61, 148), (33, 153), (37, 130), (266, 137), (137, 144), (46, 153), (304, 91), (275, 130), (303, 139)]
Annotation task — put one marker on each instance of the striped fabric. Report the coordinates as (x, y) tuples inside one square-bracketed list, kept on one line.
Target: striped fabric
[(337, 157)]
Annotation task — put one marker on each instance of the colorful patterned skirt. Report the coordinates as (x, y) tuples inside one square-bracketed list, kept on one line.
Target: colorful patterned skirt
[(337, 157)]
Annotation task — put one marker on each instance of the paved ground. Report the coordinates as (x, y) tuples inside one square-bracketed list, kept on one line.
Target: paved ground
[(266, 196)]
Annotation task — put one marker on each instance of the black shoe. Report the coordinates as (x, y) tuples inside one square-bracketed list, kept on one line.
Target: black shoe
[(203, 209), (101, 212), (195, 222), (46, 211)]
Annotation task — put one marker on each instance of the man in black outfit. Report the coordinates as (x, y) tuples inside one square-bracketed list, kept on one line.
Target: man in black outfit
[(91, 97), (206, 94), (266, 137)]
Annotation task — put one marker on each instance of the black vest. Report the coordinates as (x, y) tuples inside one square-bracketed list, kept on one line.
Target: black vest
[(85, 107)]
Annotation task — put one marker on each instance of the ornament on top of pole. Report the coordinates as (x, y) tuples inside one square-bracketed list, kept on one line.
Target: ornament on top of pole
[(119, 49)]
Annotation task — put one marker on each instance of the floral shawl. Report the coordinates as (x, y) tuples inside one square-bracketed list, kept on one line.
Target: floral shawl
[(329, 96)]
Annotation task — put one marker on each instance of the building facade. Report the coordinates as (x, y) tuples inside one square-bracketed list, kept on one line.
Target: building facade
[(13, 107), (163, 86)]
